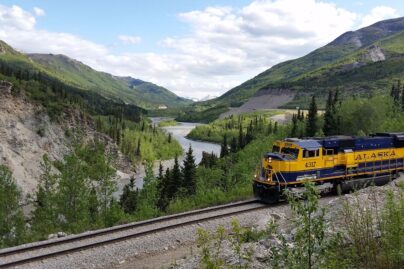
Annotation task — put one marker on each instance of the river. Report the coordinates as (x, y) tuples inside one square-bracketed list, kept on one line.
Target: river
[(178, 132)]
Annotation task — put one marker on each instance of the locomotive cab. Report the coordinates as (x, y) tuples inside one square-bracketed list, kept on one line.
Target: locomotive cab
[(280, 165)]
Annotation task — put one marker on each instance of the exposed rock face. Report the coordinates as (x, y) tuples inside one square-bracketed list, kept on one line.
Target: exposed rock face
[(27, 133), (376, 54)]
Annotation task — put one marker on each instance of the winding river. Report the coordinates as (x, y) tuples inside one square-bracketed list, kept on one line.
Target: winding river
[(178, 132)]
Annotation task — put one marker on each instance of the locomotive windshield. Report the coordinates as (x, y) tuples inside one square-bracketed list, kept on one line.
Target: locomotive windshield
[(276, 149), (290, 152)]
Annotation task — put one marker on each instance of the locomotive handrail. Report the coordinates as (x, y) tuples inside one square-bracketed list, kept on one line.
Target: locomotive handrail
[(286, 183)]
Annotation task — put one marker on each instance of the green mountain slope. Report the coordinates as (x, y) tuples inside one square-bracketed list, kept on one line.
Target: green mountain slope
[(55, 94), (129, 90), (353, 61)]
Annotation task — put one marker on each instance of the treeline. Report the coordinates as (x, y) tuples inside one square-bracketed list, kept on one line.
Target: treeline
[(139, 140), (258, 126), (352, 116), (56, 95), (239, 128)]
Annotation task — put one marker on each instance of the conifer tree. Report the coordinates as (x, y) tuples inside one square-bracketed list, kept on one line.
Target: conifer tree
[(269, 130), (293, 132), (129, 197), (395, 92), (12, 223), (241, 139), (175, 179), (189, 172), (138, 152), (163, 199), (45, 213), (233, 145), (160, 176), (311, 124), (300, 115), (329, 116), (249, 136), (275, 127), (224, 149)]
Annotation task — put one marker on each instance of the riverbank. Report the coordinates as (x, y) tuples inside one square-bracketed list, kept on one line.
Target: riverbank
[(178, 132)]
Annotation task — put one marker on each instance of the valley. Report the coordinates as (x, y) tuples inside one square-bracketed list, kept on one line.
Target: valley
[(85, 150)]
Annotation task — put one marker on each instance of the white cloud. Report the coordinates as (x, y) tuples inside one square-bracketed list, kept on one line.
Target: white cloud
[(39, 12), (133, 40), (379, 13), (15, 18), (225, 47)]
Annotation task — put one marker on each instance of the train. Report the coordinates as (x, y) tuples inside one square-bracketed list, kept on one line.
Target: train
[(333, 164)]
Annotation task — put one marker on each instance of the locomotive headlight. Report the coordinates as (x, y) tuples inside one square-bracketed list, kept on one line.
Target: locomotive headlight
[(269, 159)]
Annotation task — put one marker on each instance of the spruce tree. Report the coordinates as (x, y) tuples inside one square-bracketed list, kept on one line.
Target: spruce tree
[(275, 127), (395, 92), (233, 145), (12, 223), (311, 124), (249, 136), (269, 130), (241, 139), (299, 114), (175, 179), (293, 132), (163, 199), (138, 148), (224, 149), (329, 116), (160, 176), (129, 197), (189, 172)]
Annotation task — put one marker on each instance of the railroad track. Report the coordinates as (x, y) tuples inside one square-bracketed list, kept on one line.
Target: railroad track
[(20, 255)]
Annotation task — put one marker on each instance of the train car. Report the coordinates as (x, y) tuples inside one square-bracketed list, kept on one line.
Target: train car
[(332, 163)]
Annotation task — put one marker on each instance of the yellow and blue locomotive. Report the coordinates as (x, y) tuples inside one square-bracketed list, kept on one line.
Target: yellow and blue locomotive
[(338, 162)]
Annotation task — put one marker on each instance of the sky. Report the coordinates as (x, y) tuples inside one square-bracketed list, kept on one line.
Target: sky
[(196, 49)]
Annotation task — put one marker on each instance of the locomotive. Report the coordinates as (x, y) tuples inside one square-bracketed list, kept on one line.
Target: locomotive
[(335, 163)]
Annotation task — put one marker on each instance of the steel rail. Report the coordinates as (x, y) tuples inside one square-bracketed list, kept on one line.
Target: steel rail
[(43, 245)]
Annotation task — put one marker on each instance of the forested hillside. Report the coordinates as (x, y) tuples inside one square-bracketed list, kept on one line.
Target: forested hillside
[(362, 63), (78, 75)]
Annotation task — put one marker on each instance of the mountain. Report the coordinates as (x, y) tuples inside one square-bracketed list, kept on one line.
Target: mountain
[(56, 91), (127, 89), (358, 62)]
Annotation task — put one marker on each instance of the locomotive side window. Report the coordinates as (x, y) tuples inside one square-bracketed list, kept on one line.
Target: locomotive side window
[(275, 149), (328, 152), (294, 153), (309, 153)]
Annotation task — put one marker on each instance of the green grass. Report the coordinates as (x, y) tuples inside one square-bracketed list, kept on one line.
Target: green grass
[(166, 123)]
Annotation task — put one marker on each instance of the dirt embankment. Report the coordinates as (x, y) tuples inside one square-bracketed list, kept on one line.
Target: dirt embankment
[(263, 100), (27, 133)]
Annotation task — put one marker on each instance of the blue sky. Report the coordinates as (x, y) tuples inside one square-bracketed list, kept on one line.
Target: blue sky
[(194, 48)]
